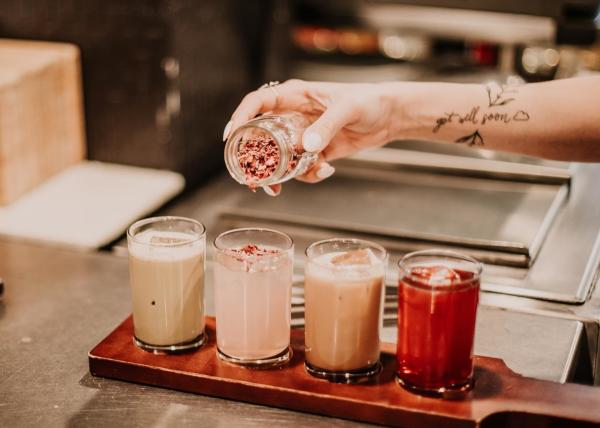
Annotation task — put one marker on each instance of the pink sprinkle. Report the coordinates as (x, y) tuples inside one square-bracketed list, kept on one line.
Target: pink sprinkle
[(259, 158)]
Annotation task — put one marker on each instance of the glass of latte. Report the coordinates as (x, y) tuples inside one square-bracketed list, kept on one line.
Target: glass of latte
[(166, 267)]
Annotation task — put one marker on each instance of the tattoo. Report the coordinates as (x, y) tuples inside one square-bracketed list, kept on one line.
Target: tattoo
[(470, 117), (474, 139), (519, 116), (500, 95), (497, 96), (474, 117)]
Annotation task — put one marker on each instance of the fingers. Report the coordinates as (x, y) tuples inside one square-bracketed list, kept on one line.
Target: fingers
[(263, 100), (318, 172), (320, 133), (273, 190), (227, 130)]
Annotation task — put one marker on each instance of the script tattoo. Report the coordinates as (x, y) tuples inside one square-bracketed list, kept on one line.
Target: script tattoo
[(500, 95), (470, 117), (474, 139), (475, 117), (518, 116)]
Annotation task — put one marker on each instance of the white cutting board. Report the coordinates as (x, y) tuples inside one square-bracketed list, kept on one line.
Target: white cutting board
[(89, 204)]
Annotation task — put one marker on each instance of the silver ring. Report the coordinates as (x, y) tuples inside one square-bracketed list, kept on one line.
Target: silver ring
[(271, 85)]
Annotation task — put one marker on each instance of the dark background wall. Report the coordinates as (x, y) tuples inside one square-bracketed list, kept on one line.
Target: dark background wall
[(160, 77)]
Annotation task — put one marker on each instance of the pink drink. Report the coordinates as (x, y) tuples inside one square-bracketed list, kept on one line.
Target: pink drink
[(253, 285)]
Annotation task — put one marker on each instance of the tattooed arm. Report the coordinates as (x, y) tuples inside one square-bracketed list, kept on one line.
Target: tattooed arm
[(555, 120)]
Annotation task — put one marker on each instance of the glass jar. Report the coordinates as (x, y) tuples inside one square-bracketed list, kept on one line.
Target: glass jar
[(268, 150)]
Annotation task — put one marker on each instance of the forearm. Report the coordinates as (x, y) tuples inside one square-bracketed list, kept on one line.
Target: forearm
[(555, 120)]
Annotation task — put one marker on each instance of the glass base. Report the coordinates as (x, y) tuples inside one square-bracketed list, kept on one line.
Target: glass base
[(348, 376), (452, 392), (258, 363), (172, 349)]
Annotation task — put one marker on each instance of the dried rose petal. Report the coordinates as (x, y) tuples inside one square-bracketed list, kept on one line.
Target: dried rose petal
[(259, 158), (241, 254), (255, 250)]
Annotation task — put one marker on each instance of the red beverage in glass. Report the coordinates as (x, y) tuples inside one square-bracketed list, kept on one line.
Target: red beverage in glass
[(438, 292)]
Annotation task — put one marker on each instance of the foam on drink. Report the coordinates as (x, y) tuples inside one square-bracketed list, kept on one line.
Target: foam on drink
[(343, 297), (167, 282)]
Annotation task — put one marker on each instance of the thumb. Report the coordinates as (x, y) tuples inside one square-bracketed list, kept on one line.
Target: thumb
[(318, 135)]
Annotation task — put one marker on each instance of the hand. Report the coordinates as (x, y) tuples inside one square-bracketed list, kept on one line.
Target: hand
[(348, 117)]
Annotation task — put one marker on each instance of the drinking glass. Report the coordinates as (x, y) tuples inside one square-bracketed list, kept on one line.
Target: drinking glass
[(253, 288), (344, 291), (166, 268), (438, 293)]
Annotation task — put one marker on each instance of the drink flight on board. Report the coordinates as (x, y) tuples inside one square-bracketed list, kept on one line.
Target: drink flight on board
[(344, 293)]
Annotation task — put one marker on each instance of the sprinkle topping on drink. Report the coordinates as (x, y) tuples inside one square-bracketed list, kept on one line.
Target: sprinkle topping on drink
[(253, 250)]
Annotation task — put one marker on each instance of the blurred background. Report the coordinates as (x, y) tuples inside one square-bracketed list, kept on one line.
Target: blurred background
[(152, 83), (161, 77)]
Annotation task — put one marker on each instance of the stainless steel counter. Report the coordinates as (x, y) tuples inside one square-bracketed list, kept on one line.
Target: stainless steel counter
[(58, 304)]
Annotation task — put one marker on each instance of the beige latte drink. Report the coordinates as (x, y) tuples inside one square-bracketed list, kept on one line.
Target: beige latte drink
[(166, 265), (344, 289)]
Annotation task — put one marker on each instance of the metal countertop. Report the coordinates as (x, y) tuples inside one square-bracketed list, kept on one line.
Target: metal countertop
[(58, 304)]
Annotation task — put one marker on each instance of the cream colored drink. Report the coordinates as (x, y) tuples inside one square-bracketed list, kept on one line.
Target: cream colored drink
[(343, 293), (167, 283)]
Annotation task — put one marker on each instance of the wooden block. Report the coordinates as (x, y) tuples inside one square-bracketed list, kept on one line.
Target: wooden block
[(41, 114), (500, 397)]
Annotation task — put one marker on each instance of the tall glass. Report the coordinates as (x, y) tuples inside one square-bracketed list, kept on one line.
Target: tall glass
[(253, 289), (166, 268), (344, 292), (438, 293)]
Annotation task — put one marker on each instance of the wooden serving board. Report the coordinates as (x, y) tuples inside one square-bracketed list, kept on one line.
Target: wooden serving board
[(500, 397)]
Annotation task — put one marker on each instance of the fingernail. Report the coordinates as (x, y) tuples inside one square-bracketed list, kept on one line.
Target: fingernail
[(325, 171), (226, 130), (270, 191), (311, 142)]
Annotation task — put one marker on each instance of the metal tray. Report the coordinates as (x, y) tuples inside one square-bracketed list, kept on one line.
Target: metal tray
[(499, 216)]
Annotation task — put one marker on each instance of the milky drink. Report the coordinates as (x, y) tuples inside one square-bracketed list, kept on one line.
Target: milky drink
[(167, 282), (343, 297)]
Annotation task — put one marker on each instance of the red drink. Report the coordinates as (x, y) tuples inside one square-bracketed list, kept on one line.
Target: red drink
[(438, 294)]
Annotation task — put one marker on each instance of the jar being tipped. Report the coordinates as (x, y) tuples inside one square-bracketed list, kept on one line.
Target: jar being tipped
[(268, 150)]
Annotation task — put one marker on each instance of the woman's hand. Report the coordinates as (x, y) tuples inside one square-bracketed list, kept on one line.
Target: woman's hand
[(347, 118), (555, 120)]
